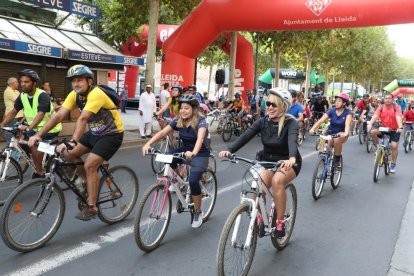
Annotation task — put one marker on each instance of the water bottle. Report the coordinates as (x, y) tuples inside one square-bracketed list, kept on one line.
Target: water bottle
[(80, 184)]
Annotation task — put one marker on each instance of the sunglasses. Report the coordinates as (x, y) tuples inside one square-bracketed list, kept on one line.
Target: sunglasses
[(270, 104)]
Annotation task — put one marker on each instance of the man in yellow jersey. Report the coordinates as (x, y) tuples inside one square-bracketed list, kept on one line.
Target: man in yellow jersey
[(103, 139), (37, 109)]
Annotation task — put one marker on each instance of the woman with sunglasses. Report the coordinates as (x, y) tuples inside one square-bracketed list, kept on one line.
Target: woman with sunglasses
[(341, 118), (279, 133)]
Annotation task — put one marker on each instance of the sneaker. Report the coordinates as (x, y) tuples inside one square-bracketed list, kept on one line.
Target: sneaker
[(143, 137), (393, 168), (87, 213), (198, 220), (2, 202), (149, 136), (35, 175), (280, 229)]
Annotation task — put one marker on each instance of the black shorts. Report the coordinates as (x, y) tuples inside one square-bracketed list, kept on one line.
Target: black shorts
[(394, 136), (104, 146), (260, 156)]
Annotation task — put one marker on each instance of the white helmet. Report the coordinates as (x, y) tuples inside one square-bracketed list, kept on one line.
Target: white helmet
[(283, 94)]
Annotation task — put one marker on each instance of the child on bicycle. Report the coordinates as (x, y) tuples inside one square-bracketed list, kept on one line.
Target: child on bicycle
[(279, 132), (341, 118), (192, 129)]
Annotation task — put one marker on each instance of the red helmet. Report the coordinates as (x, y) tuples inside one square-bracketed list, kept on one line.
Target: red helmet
[(343, 96), (204, 107)]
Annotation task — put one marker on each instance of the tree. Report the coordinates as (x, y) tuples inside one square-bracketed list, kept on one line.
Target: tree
[(152, 41)]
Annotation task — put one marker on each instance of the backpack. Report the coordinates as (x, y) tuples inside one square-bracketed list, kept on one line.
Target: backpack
[(110, 92), (394, 105)]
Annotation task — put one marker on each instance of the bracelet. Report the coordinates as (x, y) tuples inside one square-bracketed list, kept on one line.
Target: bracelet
[(73, 141)]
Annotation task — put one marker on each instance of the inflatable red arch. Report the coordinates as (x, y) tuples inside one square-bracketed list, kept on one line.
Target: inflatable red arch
[(212, 17), (397, 87), (137, 47)]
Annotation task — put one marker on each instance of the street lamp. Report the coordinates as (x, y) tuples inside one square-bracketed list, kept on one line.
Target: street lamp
[(316, 81)]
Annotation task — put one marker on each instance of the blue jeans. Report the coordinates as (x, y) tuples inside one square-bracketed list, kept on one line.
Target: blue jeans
[(124, 104)]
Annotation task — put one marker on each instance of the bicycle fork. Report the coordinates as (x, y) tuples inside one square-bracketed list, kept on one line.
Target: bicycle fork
[(42, 200)]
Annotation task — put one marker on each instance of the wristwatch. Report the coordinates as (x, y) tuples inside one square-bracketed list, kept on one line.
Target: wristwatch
[(27, 129)]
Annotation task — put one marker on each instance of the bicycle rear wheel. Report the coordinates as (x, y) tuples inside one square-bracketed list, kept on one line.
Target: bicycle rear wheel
[(289, 217), (117, 195), (318, 178), (361, 135), (32, 215), (227, 132), (152, 218), (162, 146), (208, 185), (369, 143), (233, 258), (407, 140), (377, 163), (336, 174)]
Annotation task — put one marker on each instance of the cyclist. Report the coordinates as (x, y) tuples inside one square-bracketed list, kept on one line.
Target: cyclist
[(341, 118), (103, 139), (192, 129), (390, 115), (319, 107), (359, 107), (368, 112), (176, 91), (37, 109), (238, 107), (409, 117), (401, 102), (252, 104), (296, 110), (279, 132)]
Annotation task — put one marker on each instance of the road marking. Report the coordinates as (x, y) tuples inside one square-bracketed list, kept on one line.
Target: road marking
[(86, 248)]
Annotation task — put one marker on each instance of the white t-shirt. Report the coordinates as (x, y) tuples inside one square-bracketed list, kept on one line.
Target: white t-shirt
[(164, 97)]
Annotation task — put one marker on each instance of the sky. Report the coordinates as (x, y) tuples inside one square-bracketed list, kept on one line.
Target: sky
[(403, 37)]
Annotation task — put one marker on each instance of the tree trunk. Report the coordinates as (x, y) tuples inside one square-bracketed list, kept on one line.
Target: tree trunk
[(308, 71), (232, 64), (277, 65), (209, 80), (152, 42), (326, 78), (353, 92)]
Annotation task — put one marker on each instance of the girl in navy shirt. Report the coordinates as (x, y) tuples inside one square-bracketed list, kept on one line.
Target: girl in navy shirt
[(192, 129), (341, 118)]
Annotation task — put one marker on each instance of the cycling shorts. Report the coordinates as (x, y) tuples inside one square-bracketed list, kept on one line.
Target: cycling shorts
[(394, 136), (104, 146)]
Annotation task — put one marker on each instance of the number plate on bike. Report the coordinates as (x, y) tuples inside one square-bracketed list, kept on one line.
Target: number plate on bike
[(46, 148), (164, 158), (384, 129)]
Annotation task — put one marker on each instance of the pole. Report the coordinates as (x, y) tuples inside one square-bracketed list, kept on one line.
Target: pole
[(255, 62), (232, 64)]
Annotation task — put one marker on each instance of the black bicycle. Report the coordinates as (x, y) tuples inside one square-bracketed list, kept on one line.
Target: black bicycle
[(34, 211)]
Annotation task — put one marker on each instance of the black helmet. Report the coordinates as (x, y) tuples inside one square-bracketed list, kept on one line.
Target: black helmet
[(293, 93), (80, 70), (189, 99), (29, 73), (192, 86), (177, 86), (365, 96), (237, 95)]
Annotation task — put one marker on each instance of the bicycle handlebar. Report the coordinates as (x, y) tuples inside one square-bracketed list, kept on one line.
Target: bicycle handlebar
[(234, 159), (179, 155)]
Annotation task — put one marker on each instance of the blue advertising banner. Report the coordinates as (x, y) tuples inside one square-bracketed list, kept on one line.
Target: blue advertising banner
[(72, 6), (95, 57), (30, 48)]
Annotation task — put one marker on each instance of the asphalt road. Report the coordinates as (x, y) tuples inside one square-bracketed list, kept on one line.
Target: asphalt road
[(349, 231)]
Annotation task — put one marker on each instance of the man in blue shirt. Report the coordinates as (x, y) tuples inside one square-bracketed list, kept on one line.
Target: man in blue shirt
[(401, 102), (252, 103), (296, 110)]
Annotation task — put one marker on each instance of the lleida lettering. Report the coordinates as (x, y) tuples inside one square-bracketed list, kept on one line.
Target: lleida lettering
[(238, 81), (84, 9), (171, 78), (41, 50), (166, 33)]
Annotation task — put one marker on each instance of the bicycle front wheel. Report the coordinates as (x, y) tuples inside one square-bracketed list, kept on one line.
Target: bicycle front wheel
[(162, 146), (289, 217), (377, 163), (13, 176), (227, 132), (208, 185), (318, 178), (152, 218), (361, 135), (233, 256), (407, 140), (32, 215), (118, 193), (369, 143)]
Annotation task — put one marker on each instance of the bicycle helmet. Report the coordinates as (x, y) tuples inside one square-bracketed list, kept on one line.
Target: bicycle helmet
[(79, 70), (189, 99), (29, 73), (204, 108), (343, 96), (293, 93), (177, 86), (192, 86), (284, 95), (237, 95)]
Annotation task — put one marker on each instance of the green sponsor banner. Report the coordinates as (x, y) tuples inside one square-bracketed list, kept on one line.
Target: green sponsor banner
[(407, 83), (392, 86)]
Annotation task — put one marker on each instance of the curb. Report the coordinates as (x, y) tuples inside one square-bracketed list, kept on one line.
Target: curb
[(402, 259)]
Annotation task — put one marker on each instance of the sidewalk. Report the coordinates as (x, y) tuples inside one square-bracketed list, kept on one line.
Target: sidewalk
[(402, 262)]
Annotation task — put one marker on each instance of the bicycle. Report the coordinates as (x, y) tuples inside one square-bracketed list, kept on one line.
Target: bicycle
[(39, 202), (362, 133), (154, 211), (252, 218), (383, 154), (233, 126), (321, 130), (302, 134), (325, 168), (408, 138)]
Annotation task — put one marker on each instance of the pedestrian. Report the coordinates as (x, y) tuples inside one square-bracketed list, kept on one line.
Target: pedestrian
[(10, 95), (124, 98), (164, 99), (147, 106), (48, 90)]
